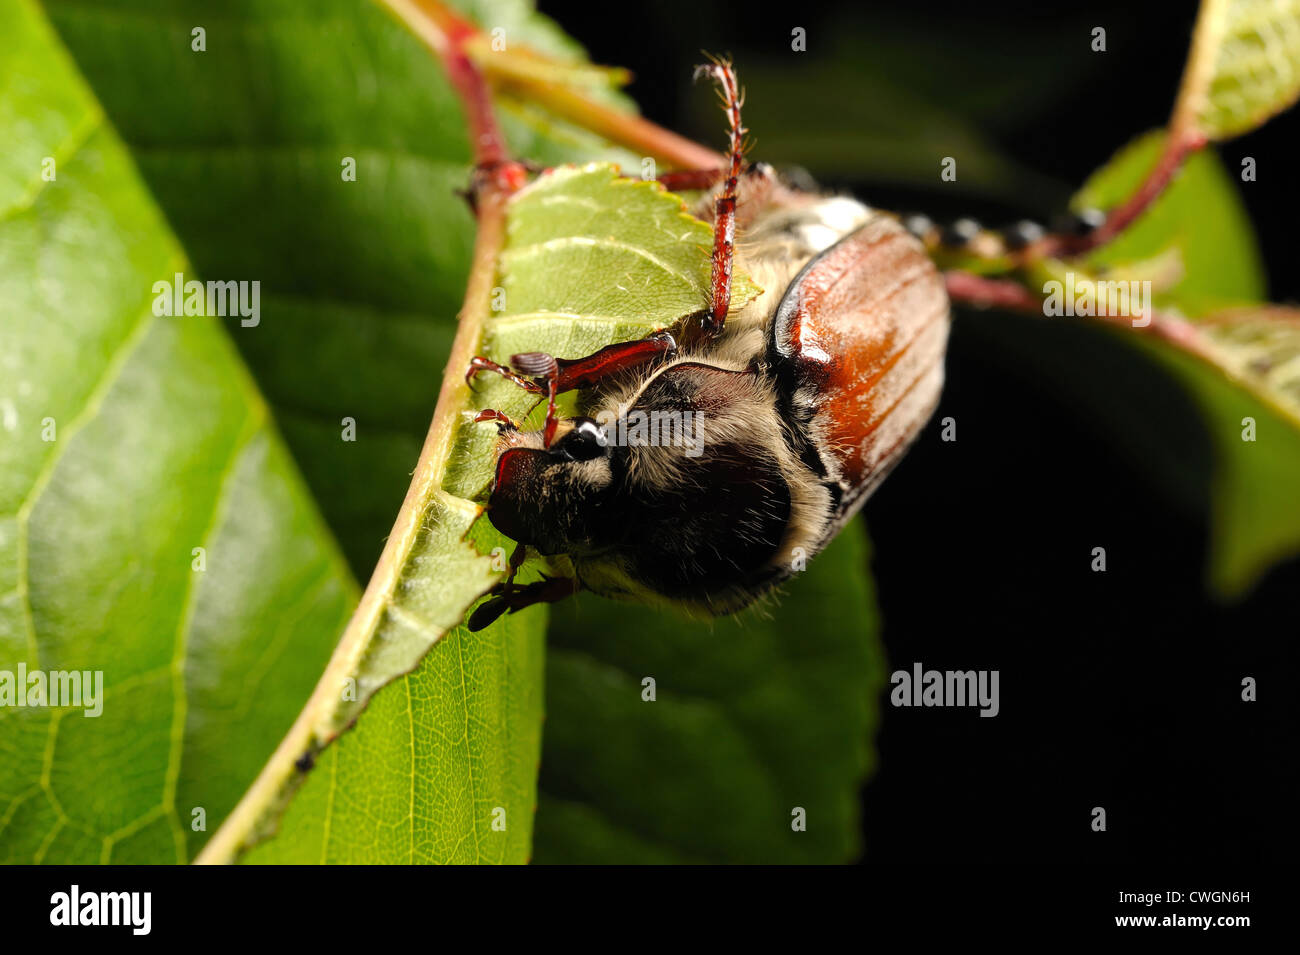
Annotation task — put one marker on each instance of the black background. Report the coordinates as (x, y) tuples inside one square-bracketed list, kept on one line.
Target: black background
[(1120, 689)]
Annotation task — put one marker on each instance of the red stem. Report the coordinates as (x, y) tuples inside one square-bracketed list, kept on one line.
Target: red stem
[(1177, 149), (447, 34), (965, 288), (969, 289)]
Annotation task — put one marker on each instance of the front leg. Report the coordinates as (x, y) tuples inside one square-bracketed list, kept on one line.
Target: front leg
[(549, 376), (510, 598), (724, 215)]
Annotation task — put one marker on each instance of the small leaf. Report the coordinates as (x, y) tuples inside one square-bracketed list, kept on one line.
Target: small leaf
[(1244, 67)]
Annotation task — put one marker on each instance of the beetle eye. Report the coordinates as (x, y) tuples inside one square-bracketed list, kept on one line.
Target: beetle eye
[(585, 441)]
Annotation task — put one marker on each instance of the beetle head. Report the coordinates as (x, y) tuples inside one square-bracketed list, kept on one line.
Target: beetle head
[(552, 498)]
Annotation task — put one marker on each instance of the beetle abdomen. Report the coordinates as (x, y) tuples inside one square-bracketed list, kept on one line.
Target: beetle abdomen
[(858, 342)]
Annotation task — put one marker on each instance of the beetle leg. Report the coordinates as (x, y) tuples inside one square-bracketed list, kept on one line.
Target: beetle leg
[(545, 370), (571, 373), (620, 356), (724, 214), (504, 421), (552, 376), (478, 363), (513, 598), (557, 375), (517, 558)]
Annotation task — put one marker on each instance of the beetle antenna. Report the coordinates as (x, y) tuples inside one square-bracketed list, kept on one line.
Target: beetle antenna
[(724, 214)]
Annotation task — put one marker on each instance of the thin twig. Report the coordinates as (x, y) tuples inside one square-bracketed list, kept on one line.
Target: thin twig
[(1178, 147), (978, 291)]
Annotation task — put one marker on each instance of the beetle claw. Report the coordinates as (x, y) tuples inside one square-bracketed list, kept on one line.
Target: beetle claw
[(503, 421)]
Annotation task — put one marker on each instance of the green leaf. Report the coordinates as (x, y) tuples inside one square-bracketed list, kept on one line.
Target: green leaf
[(1256, 513), (751, 719), (1244, 66), (127, 441), (361, 283), (589, 259), (361, 280), (437, 760)]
